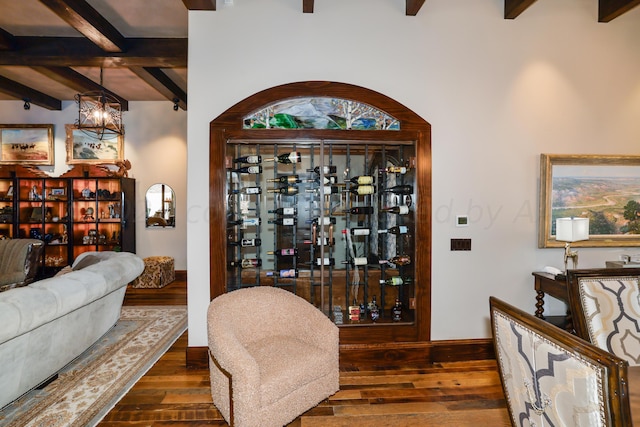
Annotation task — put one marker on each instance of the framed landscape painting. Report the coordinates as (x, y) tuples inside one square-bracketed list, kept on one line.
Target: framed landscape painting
[(26, 144), (83, 148), (603, 188)]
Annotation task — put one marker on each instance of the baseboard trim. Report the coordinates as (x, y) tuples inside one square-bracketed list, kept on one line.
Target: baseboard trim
[(389, 354)]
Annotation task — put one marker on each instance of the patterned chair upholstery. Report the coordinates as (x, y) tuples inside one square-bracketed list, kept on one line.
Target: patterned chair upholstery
[(553, 378), (605, 306)]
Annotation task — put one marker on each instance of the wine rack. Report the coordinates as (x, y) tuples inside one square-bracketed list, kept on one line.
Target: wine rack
[(334, 222)]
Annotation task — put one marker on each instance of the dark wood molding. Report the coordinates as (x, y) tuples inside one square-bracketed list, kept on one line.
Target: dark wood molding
[(71, 78), (610, 9), (307, 6), (413, 7), (7, 40), (513, 8), (200, 4), (26, 93), (84, 18), (389, 354), (80, 52), (197, 357), (158, 80)]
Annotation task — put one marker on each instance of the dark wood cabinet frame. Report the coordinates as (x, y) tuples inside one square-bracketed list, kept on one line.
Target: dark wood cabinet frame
[(229, 126)]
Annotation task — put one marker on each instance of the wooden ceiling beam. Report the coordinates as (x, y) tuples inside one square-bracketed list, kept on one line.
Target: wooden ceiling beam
[(413, 7), (610, 9), (27, 94), (158, 80), (80, 52), (71, 78), (88, 22), (307, 6), (200, 4), (513, 8), (7, 40)]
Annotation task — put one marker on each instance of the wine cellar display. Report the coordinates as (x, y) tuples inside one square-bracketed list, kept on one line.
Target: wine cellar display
[(71, 215), (325, 217), (324, 189)]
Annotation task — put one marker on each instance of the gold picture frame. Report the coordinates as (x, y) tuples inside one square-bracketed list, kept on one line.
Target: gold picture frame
[(83, 149), (603, 188), (28, 144)]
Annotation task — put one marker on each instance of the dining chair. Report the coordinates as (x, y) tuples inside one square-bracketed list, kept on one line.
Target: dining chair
[(605, 307), (553, 378)]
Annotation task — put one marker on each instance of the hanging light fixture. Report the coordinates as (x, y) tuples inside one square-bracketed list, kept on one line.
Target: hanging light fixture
[(99, 113)]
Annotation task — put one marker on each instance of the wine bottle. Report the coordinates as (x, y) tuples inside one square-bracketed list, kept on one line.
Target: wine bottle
[(360, 231), (362, 190), (321, 241), (246, 263), (284, 273), (396, 311), (246, 221), (367, 260), (285, 179), (325, 220), (249, 169), (396, 281), (247, 243), (397, 229), (400, 189), (374, 312), (398, 260), (327, 180), (327, 189), (284, 221), (248, 190), (360, 210), (400, 210), (284, 211), (325, 261), (329, 169), (248, 159), (289, 190), (395, 169), (284, 252), (362, 180), (287, 158)]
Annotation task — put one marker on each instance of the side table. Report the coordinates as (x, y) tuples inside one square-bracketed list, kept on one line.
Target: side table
[(547, 284)]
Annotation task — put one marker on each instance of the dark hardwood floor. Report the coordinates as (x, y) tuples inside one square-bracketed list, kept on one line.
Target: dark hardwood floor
[(444, 394)]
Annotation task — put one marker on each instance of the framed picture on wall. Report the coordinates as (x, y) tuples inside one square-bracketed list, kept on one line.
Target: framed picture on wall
[(26, 144), (603, 188), (83, 148)]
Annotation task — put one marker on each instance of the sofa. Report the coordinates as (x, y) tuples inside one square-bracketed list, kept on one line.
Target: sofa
[(19, 260), (50, 322)]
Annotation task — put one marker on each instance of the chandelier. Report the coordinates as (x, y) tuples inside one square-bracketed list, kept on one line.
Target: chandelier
[(99, 113)]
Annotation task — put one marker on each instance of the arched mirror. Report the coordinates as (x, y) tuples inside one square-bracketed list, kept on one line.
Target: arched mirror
[(160, 206)]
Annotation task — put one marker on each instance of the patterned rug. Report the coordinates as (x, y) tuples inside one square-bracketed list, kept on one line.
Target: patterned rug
[(90, 386)]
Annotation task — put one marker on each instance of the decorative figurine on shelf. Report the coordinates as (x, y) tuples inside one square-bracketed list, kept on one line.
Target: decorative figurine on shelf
[(86, 193), (34, 194), (65, 236), (88, 214)]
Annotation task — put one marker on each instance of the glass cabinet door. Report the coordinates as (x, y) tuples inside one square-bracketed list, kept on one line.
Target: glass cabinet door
[(332, 221)]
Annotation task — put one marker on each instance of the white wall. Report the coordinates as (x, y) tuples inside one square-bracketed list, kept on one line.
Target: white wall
[(496, 92), (156, 145)]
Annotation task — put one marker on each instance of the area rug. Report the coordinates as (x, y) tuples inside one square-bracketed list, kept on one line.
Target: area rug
[(90, 386)]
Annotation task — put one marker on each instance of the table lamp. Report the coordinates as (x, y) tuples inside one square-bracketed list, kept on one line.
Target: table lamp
[(571, 230)]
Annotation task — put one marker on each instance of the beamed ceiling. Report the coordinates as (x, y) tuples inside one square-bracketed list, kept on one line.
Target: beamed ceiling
[(50, 50)]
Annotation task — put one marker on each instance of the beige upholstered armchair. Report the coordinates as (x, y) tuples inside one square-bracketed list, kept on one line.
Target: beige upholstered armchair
[(553, 378), (272, 356)]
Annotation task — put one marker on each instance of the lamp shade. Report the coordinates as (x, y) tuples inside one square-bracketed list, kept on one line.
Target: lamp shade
[(572, 229)]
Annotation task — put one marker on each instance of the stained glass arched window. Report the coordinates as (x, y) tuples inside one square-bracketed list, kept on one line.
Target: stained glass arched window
[(320, 113)]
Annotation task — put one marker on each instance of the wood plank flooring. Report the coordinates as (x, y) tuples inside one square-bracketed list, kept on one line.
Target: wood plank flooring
[(445, 394)]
